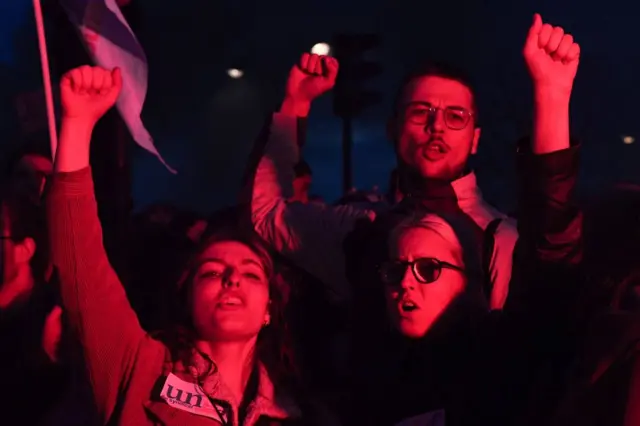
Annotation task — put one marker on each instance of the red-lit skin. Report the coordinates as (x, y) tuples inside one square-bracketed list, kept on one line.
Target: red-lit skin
[(412, 140), (301, 187), (17, 279), (229, 269), (552, 59), (309, 79), (226, 333), (431, 299)]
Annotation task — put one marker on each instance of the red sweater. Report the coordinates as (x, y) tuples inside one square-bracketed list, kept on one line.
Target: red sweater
[(134, 380)]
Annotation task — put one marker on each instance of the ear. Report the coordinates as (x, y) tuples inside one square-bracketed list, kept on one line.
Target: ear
[(25, 250), (267, 315), (476, 138)]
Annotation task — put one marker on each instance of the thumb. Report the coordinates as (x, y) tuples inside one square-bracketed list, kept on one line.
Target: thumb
[(332, 67), (116, 75), (66, 81), (534, 31)]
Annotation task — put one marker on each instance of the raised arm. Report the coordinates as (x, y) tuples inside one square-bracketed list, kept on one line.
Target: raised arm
[(92, 294), (550, 219), (308, 234)]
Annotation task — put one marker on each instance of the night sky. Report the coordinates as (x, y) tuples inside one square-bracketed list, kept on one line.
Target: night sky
[(204, 123)]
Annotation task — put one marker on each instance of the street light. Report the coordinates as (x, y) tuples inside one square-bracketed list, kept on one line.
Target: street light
[(235, 73), (322, 49), (628, 140)]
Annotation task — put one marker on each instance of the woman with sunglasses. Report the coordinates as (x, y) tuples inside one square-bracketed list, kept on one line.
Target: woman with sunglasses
[(428, 351)]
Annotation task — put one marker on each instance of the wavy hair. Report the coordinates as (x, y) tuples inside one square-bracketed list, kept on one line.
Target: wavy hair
[(274, 346)]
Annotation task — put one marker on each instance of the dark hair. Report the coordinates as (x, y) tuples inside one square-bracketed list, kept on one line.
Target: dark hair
[(274, 347), (302, 169), (438, 69)]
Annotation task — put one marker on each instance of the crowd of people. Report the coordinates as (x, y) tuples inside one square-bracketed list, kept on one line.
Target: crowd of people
[(424, 306)]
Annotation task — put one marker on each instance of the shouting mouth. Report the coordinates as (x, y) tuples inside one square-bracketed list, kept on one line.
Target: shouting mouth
[(434, 150), (407, 306), (230, 302)]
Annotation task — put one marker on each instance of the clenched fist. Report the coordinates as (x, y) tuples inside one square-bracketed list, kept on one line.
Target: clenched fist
[(551, 56), (89, 92), (312, 77)]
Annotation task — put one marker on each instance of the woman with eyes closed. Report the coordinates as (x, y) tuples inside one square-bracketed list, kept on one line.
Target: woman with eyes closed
[(225, 361)]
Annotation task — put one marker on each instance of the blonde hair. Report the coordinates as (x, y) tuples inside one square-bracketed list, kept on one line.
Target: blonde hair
[(454, 231)]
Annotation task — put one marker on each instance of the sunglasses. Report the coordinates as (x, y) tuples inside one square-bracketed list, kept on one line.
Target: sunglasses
[(425, 269)]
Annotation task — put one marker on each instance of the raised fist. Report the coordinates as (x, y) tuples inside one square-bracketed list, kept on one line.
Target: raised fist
[(312, 77), (551, 56), (88, 92)]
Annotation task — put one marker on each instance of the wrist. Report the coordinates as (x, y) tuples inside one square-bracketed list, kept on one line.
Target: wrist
[(295, 107), (555, 95), (74, 144), (78, 123)]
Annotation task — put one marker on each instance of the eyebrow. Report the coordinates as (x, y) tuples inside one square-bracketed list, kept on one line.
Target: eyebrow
[(246, 261), (422, 103)]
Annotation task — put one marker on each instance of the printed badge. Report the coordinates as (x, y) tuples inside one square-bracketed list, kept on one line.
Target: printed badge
[(189, 397)]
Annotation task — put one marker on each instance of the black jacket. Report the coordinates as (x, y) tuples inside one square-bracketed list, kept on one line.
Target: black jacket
[(480, 367)]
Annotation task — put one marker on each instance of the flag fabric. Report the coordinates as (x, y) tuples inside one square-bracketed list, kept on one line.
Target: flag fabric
[(111, 43)]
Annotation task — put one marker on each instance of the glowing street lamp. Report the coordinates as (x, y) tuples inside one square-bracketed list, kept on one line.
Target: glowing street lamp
[(628, 140), (235, 73), (323, 49)]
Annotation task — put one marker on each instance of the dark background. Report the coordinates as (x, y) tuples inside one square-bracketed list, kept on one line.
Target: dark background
[(204, 123)]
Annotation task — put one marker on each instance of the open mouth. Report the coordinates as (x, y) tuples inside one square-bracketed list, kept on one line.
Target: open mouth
[(408, 306), (436, 146), (231, 301)]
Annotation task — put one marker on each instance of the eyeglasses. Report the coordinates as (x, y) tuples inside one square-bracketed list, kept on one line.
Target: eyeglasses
[(425, 269), (454, 117)]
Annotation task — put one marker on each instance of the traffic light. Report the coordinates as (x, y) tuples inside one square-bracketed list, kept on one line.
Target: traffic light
[(350, 97)]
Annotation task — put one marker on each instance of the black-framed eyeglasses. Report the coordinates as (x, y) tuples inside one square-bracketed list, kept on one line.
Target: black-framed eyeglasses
[(455, 118), (425, 269)]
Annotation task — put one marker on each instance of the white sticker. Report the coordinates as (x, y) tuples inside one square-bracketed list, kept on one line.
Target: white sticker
[(432, 418), (187, 396)]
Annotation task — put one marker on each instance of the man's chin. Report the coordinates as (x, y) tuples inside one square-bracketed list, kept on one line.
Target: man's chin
[(431, 170)]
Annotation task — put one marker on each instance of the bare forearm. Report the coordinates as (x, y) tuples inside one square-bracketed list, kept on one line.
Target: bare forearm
[(73, 149), (551, 121), (295, 108)]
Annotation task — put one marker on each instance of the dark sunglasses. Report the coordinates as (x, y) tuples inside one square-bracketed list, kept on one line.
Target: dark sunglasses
[(425, 269)]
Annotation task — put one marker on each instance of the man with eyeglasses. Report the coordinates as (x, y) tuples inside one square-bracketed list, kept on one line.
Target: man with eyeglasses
[(434, 128)]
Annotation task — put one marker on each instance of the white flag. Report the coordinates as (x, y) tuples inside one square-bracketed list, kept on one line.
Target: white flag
[(111, 43)]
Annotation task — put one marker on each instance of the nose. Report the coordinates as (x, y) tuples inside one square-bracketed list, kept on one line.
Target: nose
[(435, 123), (408, 280), (231, 278)]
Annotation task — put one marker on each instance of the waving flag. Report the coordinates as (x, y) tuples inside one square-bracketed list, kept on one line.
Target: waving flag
[(111, 43)]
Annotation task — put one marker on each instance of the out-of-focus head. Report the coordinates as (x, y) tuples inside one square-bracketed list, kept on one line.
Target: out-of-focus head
[(27, 173), (425, 273), (22, 226), (434, 126), (302, 182)]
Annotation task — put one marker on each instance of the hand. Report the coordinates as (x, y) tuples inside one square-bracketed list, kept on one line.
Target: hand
[(312, 77), (89, 92), (551, 56), (52, 334)]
